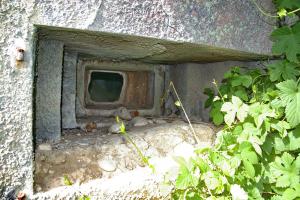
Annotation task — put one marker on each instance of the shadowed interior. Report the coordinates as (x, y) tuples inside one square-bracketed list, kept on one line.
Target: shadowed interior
[(105, 86)]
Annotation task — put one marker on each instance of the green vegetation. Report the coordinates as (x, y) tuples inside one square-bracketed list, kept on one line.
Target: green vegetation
[(123, 132), (68, 182), (257, 152)]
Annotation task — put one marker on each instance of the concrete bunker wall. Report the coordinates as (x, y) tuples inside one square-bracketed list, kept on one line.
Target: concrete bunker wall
[(64, 67), (227, 24)]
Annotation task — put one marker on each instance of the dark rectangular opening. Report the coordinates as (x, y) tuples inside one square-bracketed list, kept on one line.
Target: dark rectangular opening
[(109, 89), (105, 86)]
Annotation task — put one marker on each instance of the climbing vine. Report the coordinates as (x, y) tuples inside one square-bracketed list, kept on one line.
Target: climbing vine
[(257, 152)]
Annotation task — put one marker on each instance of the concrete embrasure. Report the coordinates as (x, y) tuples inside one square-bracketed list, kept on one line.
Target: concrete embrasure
[(221, 23)]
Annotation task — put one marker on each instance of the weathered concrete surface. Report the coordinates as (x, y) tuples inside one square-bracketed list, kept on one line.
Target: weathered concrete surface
[(16, 149), (69, 91), (191, 79), (132, 185), (48, 90), (223, 23), (83, 157), (121, 47)]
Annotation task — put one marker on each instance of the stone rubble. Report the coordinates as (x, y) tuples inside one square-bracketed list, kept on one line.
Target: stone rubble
[(107, 165), (92, 157), (115, 128), (159, 121), (91, 127), (123, 113), (45, 147), (139, 121)]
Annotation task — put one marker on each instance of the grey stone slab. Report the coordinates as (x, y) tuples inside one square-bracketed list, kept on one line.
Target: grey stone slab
[(48, 91), (69, 90)]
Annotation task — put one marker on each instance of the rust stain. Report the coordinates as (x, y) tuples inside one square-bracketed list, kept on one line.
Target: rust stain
[(138, 94)]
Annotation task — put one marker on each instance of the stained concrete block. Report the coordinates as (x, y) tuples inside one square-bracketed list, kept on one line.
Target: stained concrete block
[(83, 111), (69, 90), (190, 80), (48, 91)]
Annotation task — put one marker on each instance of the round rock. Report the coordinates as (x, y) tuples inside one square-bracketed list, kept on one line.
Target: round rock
[(123, 113), (115, 128), (139, 121), (107, 165), (159, 121), (45, 147)]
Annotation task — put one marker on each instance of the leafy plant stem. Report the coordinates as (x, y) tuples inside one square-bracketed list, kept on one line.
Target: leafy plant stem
[(298, 80), (185, 192), (294, 11), (217, 88), (144, 159), (186, 116), (270, 15), (257, 78), (209, 192), (264, 12)]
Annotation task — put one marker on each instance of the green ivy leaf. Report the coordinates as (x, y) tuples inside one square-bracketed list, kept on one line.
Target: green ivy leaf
[(260, 112), (210, 93), (291, 193), (292, 111), (285, 170), (202, 165), (218, 118), (249, 168), (232, 72), (216, 114), (250, 156), (67, 181), (251, 134), (186, 178), (277, 103), (192, 196), (238, 193), (283, 70), (280, 144), (281, 127), (282, 12), (287, 41), (290, 4), (276, 197), (291, 143), (84, 197), (211, 180), (289, 93), (294, 138), (225, 163), (122, 128), (242, 94), (244, 80), (214, 181), (233, 109)]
